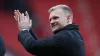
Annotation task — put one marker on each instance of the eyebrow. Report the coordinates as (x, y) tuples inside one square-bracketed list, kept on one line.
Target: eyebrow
[(54, 17)]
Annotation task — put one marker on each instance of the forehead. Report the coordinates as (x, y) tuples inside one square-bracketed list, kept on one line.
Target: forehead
[(57, 12)]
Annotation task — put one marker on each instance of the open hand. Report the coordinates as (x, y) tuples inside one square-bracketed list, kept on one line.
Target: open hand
[(24, 22)]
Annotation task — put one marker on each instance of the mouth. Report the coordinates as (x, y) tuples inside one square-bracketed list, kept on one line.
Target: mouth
[(54, 25)]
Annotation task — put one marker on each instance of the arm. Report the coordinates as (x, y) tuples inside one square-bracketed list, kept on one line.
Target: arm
[(33, 34), (28, 39), (34, 46)]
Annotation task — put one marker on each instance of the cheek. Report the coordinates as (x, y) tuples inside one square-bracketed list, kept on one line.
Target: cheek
[(62, 23)]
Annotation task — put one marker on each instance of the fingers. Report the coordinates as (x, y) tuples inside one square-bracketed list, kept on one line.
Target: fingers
[(28, 20), (23, 20), (17, 15), (27, 15), (30, 24), (20, 17), (15, 18)]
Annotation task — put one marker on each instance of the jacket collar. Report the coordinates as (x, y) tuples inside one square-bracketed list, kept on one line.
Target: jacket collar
[(69, 27)]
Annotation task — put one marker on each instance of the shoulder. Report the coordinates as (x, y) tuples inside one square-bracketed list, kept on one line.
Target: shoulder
[(67, 34), (62, 35)]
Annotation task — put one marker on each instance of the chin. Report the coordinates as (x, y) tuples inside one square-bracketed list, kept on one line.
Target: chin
[(55, 29)]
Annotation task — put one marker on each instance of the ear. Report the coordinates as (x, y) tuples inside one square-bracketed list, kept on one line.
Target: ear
[(68, 18)]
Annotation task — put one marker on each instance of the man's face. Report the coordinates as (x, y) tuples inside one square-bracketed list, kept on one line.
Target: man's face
[(57, 19)]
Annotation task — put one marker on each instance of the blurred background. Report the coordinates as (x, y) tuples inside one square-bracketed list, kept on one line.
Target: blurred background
[(86, 14)]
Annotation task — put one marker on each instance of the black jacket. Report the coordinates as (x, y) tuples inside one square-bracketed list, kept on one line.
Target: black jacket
[(65, 42)]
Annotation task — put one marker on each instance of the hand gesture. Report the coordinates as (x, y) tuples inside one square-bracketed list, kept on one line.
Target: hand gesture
[(24, 22)]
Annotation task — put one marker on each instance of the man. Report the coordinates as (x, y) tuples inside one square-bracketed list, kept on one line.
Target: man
[(67, 40), (2, 47)]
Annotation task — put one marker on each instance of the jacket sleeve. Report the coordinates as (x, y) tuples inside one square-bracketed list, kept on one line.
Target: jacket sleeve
[(33, 45), (33, 34)]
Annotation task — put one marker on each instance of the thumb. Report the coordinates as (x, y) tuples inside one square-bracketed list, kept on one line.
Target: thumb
[(30, 23)]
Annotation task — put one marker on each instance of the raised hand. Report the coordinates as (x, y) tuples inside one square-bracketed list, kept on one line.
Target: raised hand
[(24, 22)]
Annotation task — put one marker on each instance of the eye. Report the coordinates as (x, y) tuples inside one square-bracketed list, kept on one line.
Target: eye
[(55, 17), (50, 19)]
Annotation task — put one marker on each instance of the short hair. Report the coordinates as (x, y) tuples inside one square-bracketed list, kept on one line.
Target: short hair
[(65, 8)]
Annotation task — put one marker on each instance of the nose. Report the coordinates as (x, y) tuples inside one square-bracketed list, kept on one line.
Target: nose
[(52, 21)]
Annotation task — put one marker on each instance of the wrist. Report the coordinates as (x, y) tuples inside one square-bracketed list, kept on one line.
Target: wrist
[(24, 29)]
